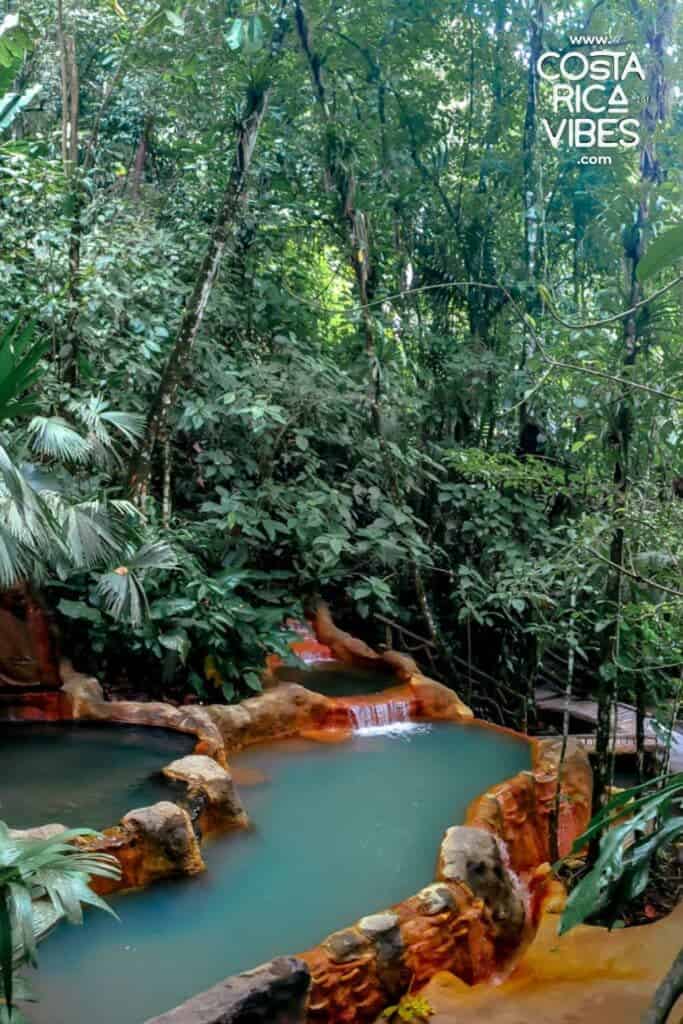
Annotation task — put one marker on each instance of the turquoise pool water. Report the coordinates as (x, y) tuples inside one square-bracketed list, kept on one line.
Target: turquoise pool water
[(338, 832), (77, 774)]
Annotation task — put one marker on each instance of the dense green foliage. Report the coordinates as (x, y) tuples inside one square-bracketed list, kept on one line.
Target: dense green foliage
[(411, 389)]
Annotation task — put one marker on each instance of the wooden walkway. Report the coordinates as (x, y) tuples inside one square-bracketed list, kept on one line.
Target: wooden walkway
[(625, 738)]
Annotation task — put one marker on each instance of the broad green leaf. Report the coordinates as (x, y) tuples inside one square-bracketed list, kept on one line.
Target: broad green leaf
[(235, 34), (178, 642), (665, 251), (79, 610), (175, 21)]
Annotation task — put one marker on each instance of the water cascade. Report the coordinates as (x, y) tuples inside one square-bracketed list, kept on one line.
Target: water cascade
[(374, 719)]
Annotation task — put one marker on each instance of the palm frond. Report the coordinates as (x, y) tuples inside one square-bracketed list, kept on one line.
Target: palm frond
[(122, 591), (89, 533), (13, 559), (100, 420), (125, 509), (130, 424), (24, 513), (53, 437), (33, 868), (154, 555), (97, 415), (122, 595)]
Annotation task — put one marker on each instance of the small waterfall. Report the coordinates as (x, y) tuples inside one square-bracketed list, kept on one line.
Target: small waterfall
[(391, 716)]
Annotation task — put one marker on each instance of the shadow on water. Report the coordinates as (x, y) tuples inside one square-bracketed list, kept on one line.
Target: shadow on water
[(337, 680), (87, 775)]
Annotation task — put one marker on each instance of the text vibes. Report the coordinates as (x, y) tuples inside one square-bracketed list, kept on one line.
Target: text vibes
[(589, 98)]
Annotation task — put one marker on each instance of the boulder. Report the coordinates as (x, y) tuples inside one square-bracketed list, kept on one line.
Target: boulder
[(39, 832), (384, 932), (232, 722), (275, 993), (346, 945), (210, 789), (167, 829), (83, 691), (474, 857), (283, 711), (150, 843), (436, 701), (435, 899)]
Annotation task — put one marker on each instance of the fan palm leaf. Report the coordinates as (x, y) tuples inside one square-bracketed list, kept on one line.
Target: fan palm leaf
[(14, 560), (121, 590), (154, 555), (53, 437), (122, 595), (28, 531), (33, 868), (89, 533), (108, 426)]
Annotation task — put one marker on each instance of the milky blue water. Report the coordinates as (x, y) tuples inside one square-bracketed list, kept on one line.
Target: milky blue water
[(338, 831), (86, 775)]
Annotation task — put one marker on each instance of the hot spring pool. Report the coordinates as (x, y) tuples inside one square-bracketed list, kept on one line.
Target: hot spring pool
[(337, 680), (88, 775), (337, 832)]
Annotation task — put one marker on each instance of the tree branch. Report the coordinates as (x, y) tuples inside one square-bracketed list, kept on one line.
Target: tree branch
[(666, 994), (636, 576)]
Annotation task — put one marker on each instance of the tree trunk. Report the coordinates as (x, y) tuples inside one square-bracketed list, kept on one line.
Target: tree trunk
[(640, 725), (69, 352), (653, 115), (354, 220), (167, 490), (165, 397), (531, 198), (554, 824), (608, 679), (140, 160)]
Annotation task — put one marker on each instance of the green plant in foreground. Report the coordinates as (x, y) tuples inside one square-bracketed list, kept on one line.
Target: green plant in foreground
[(34, 868), (635, 824), (411, 1010)]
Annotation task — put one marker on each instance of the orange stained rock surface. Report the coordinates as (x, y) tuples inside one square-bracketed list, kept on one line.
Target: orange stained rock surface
[(445, 927), (353, 979), (344, 647), (589, 976), (519, 809), (150, 843)]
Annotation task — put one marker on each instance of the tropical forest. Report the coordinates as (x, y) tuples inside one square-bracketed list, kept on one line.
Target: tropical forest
[(341, 506)]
